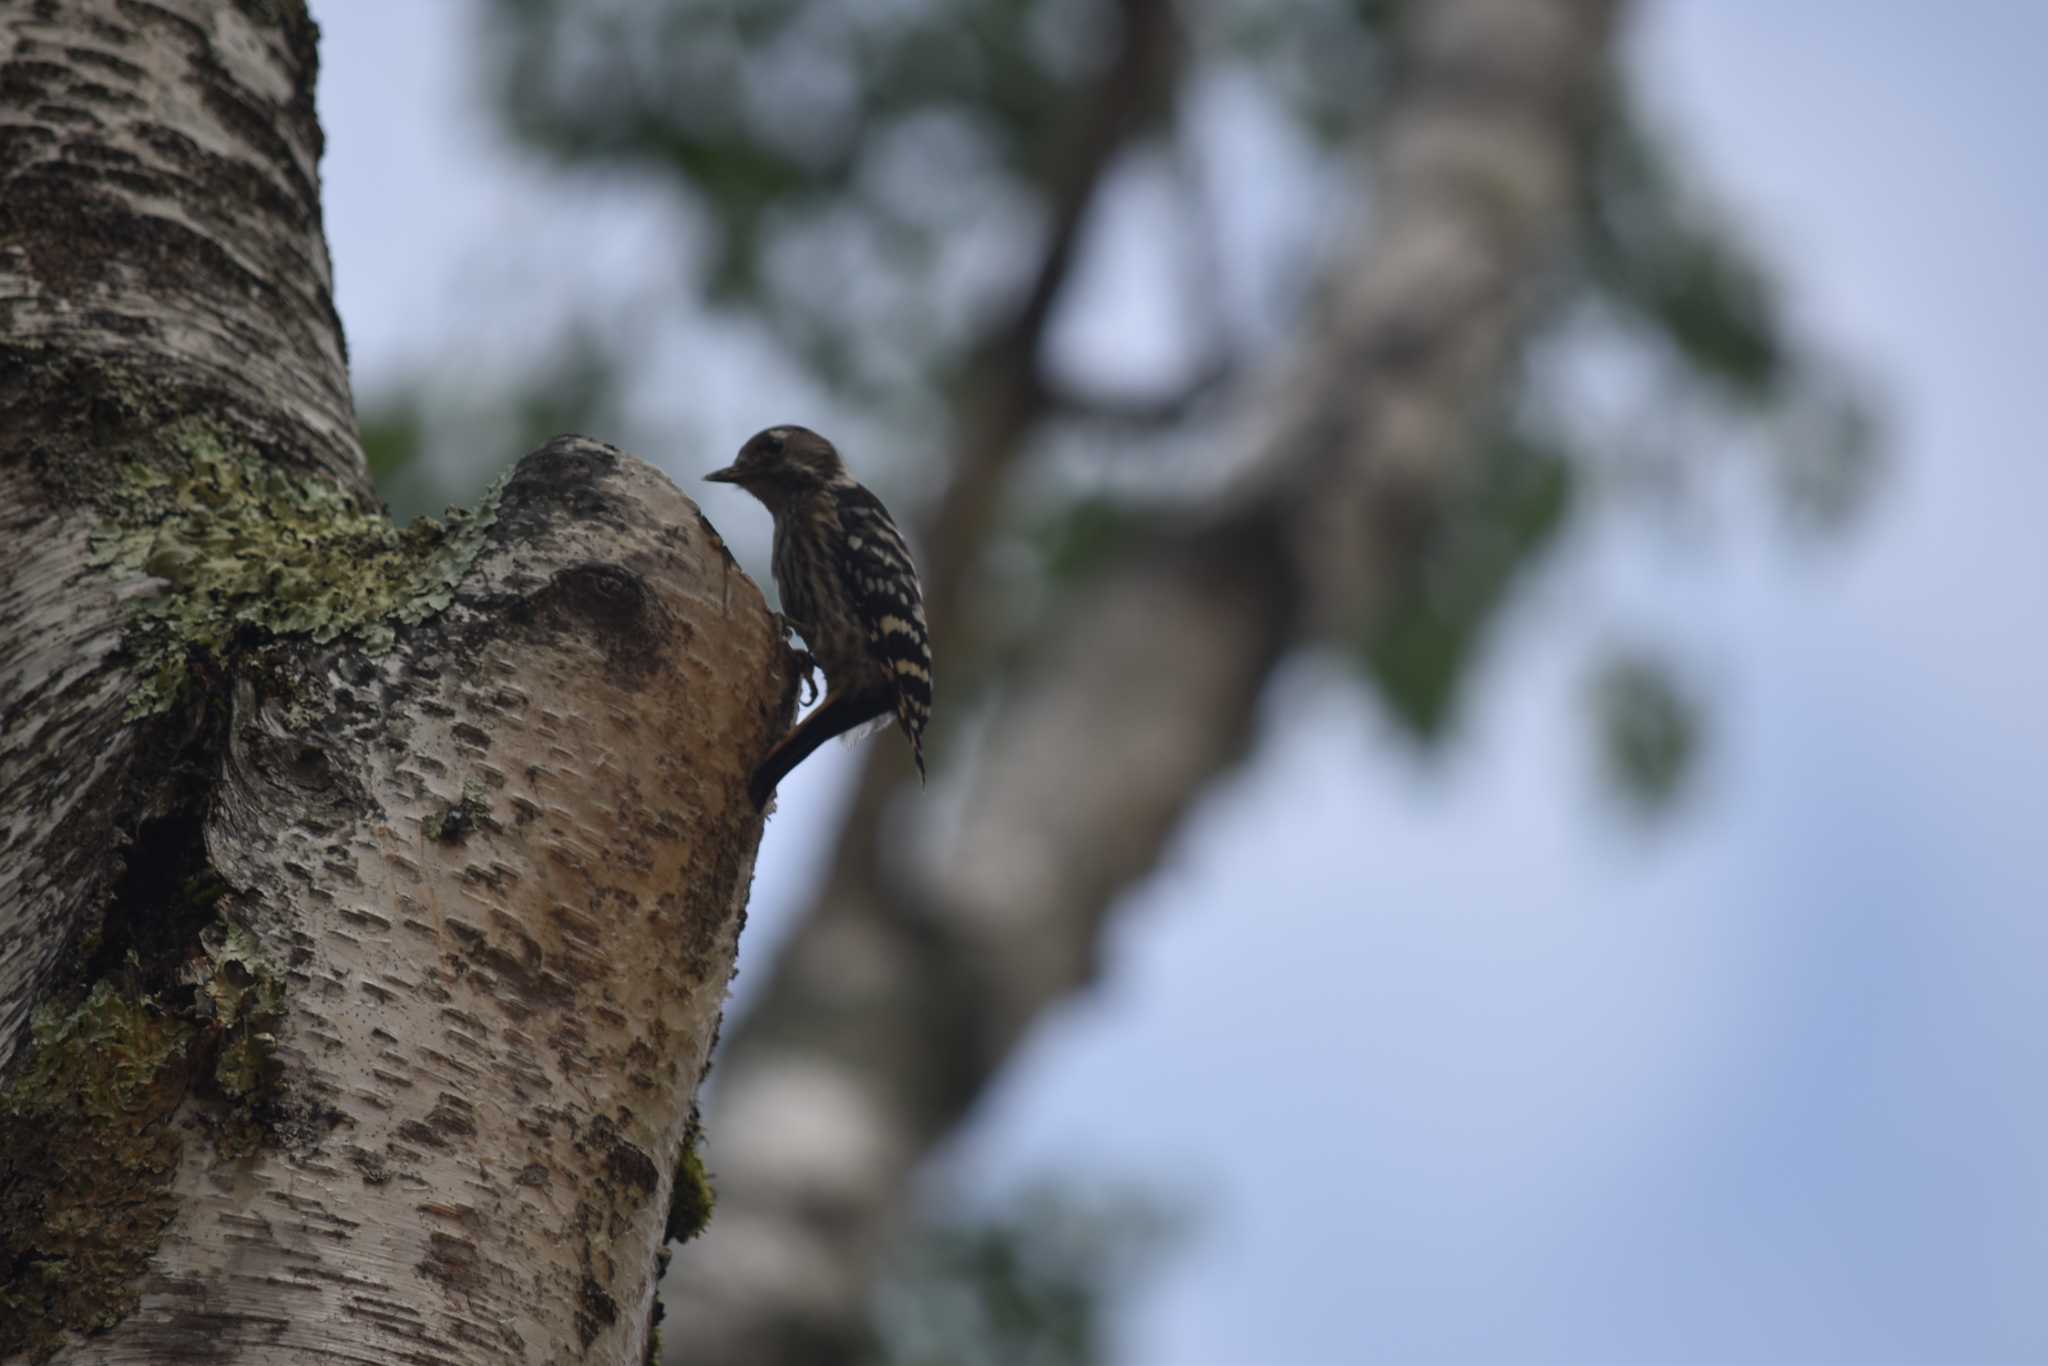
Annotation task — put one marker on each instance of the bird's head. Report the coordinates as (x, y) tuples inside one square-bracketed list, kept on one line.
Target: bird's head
[(782, 463)]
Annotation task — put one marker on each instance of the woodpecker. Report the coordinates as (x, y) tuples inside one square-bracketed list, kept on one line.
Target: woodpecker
[(848, 587)]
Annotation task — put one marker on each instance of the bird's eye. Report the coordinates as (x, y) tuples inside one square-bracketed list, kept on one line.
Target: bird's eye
[(772, 440)]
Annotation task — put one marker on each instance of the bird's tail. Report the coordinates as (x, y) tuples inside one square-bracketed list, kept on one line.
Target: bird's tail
[(913, 733), (839, 713)]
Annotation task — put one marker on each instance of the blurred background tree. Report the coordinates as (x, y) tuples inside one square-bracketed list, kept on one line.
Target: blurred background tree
[(929, 226)]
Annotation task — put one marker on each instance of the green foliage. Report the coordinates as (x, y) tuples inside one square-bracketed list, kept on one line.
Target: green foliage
[(1668, 263), (1688, 284), (1036, 1283), (575, 391), (1650, 730), (1473, 549), (1831, 458), (414, 436), (1324, 61), (832, 149), (394, 428), (1083, 536), (394, 432)]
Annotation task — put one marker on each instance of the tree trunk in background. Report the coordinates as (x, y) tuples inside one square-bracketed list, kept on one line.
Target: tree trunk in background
[(904, 990), (367, 897)]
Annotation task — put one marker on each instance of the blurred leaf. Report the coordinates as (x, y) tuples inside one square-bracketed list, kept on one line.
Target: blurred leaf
[(394, 435), (395, 443), (1474, 548), (1830, 455), (1038, 1283), (1083, 536), (1325, 60), (1650, 730), (578, 391), (1664, 260), (768, 112), (438, 423)]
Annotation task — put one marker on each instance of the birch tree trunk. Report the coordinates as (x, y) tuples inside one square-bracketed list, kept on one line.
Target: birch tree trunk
[(367, 897)]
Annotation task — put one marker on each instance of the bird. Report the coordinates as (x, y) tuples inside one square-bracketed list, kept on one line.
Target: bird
[(849, 588)]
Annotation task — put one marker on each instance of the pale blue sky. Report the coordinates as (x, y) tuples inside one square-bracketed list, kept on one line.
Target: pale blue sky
[(1461, 1067)]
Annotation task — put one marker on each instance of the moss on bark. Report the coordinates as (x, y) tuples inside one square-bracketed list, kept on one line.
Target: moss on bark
[(85, 1124), (85, 1197)]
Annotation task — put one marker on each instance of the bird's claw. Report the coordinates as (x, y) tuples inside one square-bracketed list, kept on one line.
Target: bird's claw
[(805, 660), (807, 665)]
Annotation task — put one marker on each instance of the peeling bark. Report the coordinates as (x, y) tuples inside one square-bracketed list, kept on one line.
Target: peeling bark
[(367, 896)]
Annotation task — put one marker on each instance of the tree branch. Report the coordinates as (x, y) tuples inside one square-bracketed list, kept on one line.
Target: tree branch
[(1152, 411)]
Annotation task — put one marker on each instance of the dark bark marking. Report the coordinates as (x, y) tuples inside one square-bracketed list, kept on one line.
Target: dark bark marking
[(419, 1133), (624, 1162), (561, 482), (256, 125), (595, 1311), (208, 184), (74, 233), (525, 975), (453, 1116), (454, 1262)]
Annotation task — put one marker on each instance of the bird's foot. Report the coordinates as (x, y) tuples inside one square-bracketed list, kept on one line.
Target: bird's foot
[(807, 670), (806, 662)]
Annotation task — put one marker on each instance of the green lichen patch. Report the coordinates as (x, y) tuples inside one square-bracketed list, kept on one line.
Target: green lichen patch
[(89, 1158), (250, 552)]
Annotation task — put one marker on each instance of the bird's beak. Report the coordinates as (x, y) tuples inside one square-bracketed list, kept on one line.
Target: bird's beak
[(729, 475)]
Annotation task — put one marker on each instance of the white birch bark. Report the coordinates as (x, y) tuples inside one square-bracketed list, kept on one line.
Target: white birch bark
[(372, 894)]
